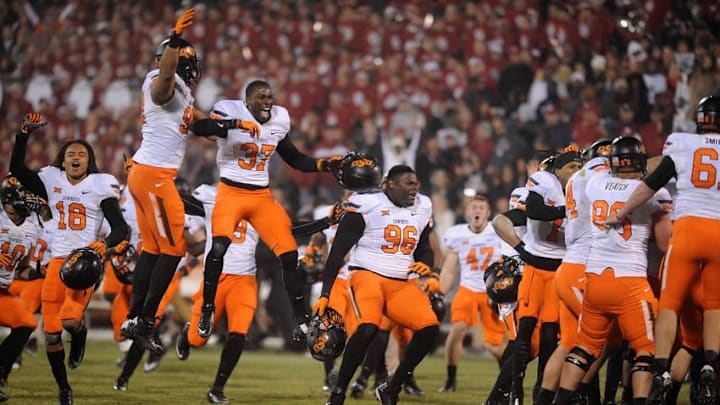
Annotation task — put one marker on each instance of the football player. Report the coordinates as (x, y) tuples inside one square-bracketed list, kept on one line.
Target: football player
[(389, 234), (249, 133), (617, 288), (693, 160), (570, 276), (542, 249), (167, 117), (471, 248), (236, 292), (80, 197), (19, 229)]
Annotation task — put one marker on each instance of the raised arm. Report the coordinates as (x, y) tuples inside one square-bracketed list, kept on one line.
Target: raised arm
[(18, 168)]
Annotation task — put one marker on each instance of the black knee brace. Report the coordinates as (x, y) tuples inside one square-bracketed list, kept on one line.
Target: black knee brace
[(53, 338), (585, 361), (642, 363)]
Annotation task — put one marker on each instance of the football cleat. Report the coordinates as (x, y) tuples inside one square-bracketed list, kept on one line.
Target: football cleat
[(217, 397), (660, 386), (411, 388), (358, 388), (65, 397), (121, 384), (385, 396), (706, 388), (182, 345), (205, 325), (144, 332), (128, 328), (152, 362), (450, 386), (77, 348), (337, 397)]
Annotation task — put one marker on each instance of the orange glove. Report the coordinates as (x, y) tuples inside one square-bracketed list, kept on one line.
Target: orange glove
[(6, 261), (99, 247), (120, 248), (330, 165), (420, 268), (185, 21), (127, 164), (250, 126), (336, 213), (31, 122), (431, 285), (311, 251), (321, 305)]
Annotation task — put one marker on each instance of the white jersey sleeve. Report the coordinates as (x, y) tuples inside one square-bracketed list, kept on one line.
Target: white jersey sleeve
[(76, 210), (546, 238), (697, 166), (165, 128), (241, 157), (476, 251), (322, 212), (577, 211), (240, 256), (391, 233), (127, 206), (622, 248), (16, 241)]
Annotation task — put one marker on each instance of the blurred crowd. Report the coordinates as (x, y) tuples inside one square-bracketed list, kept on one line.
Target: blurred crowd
[(466, 92)]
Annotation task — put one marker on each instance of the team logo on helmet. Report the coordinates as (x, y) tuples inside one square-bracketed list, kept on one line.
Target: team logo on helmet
[(326, 337), (358, 172), (502, 279), (81, 269)]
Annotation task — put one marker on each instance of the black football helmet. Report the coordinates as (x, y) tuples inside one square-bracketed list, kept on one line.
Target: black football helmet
[(707, 115), (82, 268), (437, 301), (188, 67), (359, 172), (502, 279), (627, 155), (326, 337), (598, 148), (124, 265), (13, 193)]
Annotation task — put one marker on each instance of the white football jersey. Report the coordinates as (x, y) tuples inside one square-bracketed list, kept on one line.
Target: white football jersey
[(16, 241), (624, 248), (476, 251), (127, 206), (241, 157), (165, 128), (76, 208), (697, 166), (578, 235), (240, 256), (322, 212), (391, 233), (546, 238), (517, 201)]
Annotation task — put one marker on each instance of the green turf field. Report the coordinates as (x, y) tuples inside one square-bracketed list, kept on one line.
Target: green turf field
[(262, 377)]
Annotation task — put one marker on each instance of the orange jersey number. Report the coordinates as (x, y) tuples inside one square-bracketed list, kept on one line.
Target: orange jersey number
[(187, 120), (570, 204), (254, 160), (17, 253), (600, 211), (403, 239), (239, 235), (704, 174), (75, 216), (472, 258), (38, 252)]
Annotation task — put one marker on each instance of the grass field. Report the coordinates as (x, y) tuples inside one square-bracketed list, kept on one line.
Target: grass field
[(262, 377)]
